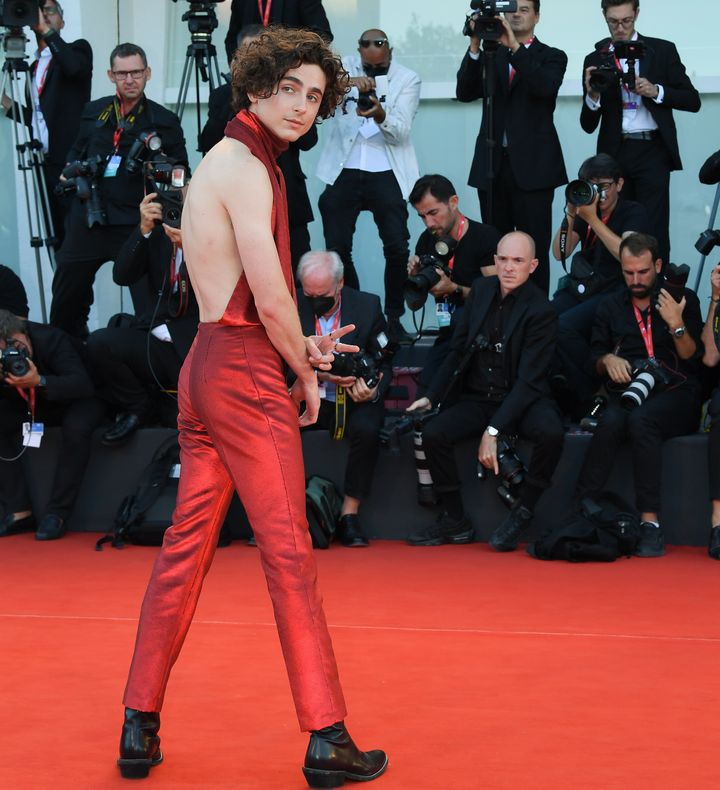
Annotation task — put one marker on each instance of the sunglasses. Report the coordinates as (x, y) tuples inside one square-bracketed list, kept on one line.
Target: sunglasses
[(375, 42)]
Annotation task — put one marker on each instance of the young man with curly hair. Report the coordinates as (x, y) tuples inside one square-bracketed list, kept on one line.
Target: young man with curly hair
[(238, 424)]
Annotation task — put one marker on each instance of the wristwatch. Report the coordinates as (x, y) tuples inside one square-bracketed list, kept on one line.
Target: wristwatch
[(679, 332), (492, 431), (458, 295)]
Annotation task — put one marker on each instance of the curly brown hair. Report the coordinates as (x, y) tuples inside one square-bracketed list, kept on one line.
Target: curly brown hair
[(259, 65)]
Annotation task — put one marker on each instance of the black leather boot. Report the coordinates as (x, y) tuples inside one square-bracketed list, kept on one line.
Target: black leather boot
[(139, 744), (332, 757)]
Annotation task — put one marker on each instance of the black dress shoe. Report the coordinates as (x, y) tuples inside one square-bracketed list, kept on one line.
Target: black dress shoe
[(9, 525), (332, 758), (350, 532), (51, 527), (139, 744), (445, 530), (714, 543), (507, 536), (125, 426)]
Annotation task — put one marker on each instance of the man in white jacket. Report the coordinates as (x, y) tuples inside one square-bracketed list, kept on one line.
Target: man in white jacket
[(369, 164)]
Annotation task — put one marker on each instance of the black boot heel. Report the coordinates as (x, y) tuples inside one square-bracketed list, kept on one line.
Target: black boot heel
[(139, 744), (316, 778), (137, 769), (332, 758)]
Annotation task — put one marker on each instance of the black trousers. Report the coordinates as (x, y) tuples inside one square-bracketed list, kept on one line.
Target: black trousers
[(124, 361), (646, 169), (662, 416), (519, 209), (714, 445), (299, 244), (467, 418), (78, 420), (58, 205), (340, 205), (83, 252), (362, 428)]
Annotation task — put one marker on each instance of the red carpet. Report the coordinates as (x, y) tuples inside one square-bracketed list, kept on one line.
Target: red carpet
[(472, 669)]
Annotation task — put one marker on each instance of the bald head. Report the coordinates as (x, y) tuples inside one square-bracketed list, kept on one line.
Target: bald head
[(515, 260)]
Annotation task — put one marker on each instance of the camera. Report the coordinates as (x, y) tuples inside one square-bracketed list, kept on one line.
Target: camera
[(14, 361), (417, 287), (608, 73), (201, 19), (582, 193), (167, 181), (484, 16), (145, 144), (83, 179), (511, 471), (674, 279), (18, 13), (390, 434), (647, 375), (629, 51), (364, 364), (708, 239)]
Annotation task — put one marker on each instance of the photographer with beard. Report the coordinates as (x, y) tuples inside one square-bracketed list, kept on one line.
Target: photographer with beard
[(644, 330)]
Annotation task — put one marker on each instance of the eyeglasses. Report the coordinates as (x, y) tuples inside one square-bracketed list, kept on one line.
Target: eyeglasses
[(50, 10), (603, 186), (374, 42), (135, 74), (624, 22)]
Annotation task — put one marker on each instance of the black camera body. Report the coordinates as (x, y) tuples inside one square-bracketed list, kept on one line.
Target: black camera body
[(146, 143), (14, 361), (608, 75), (708, 240), (417, 287), (648, 375), (83, 179), (484, 16), (511, 471), (582, 193), (364, 364), (390, 434), (19, 13), (674, 279), (167, 181)]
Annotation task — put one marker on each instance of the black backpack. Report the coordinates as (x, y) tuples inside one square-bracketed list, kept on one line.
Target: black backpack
[(323, 503), (603, 529), (136, 520)]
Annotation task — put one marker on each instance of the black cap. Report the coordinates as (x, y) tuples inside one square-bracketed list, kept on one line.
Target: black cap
[(710, 171), (12, 293)]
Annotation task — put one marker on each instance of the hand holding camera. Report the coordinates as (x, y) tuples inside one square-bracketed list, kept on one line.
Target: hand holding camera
[(487, 452), (151, 213), (644, 87), (361, 392), (618, 369), (421, 404), (715, 283), (670, 311)]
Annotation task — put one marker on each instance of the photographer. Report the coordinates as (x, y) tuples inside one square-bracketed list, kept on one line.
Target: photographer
[(598, 227), (650, 338), (436, 202), (503, 347), (134, 362), (349, 404), (368, 163), (527, 159), (52, 387), (61, 76), (635, 112), (110, 134)]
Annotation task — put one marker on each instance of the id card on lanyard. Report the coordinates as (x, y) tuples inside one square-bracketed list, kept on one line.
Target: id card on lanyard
[(646, 331)]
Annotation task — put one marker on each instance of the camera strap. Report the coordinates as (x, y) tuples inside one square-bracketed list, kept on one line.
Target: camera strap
[(645, 330), (124, 122), (562, 242), (264, 9), (29, 398), (461, 230), (340, 412), (178, 282)]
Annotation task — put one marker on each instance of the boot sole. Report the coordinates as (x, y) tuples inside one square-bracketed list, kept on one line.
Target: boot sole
[(318, 778), (459, 539), (137, 768)]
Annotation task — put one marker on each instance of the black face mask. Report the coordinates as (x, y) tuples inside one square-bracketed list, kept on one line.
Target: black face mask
[(321, 304), (375, 71)]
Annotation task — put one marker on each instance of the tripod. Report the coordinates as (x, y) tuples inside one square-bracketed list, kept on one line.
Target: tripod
[(17, 83), (200, 57)]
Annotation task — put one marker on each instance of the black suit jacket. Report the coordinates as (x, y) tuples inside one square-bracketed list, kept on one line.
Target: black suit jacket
[(523, 110), (292, 13), (363, 310), (661, 66), (219, 113), (529, 348), (149, 258), (65, 93), (57, 358)]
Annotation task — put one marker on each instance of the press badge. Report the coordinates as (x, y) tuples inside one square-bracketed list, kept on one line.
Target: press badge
[(442, 313), (112, 166), (32, 434)]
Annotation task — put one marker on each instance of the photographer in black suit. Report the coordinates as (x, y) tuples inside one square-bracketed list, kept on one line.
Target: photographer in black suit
[(350, 405), (134, 362), (635, 113), (110, 129), (527, 159), (61, 74), (504, 344)]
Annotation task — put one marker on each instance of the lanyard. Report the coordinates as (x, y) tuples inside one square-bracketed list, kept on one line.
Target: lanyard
[(591, 233), (645, 331), (30, 400), (461, 228), (41, 84), (122, 121), (264, 10), (335, 325)]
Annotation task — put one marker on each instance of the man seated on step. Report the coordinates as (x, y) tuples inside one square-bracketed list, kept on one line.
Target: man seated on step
[(352, 399), (502, 347)]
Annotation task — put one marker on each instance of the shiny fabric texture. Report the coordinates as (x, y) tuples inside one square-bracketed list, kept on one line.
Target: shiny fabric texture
[(238, 430)]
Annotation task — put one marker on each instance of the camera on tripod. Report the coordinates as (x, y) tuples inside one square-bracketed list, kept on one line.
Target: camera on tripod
[(417, 287), (364, 364), (13, 360), (167, 181), (483, 21), (83, 179), (19, 13)]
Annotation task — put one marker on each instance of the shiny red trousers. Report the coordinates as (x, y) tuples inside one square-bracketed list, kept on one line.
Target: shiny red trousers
[(238, 430)]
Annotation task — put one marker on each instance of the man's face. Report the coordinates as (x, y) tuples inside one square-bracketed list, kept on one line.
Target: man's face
[(130, 75), (291, 109), (375, 51), (53, 18), (514, 262), (640, 272), (621, 21), (523, 20), (319, 282), (439, 218), (19, 340), (609, 192)]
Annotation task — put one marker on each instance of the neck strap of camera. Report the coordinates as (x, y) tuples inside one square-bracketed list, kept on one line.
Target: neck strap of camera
[(29, 397), (264, 8), (461, 230), (645, 330)]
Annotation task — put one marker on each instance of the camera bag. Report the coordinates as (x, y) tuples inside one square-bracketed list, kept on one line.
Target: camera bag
[(583, 281), (603, 529), (324, 503)]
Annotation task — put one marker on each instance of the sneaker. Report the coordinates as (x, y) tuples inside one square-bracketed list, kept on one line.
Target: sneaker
[(507, 536), (714, 543), (444, 530), (652, 541)]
